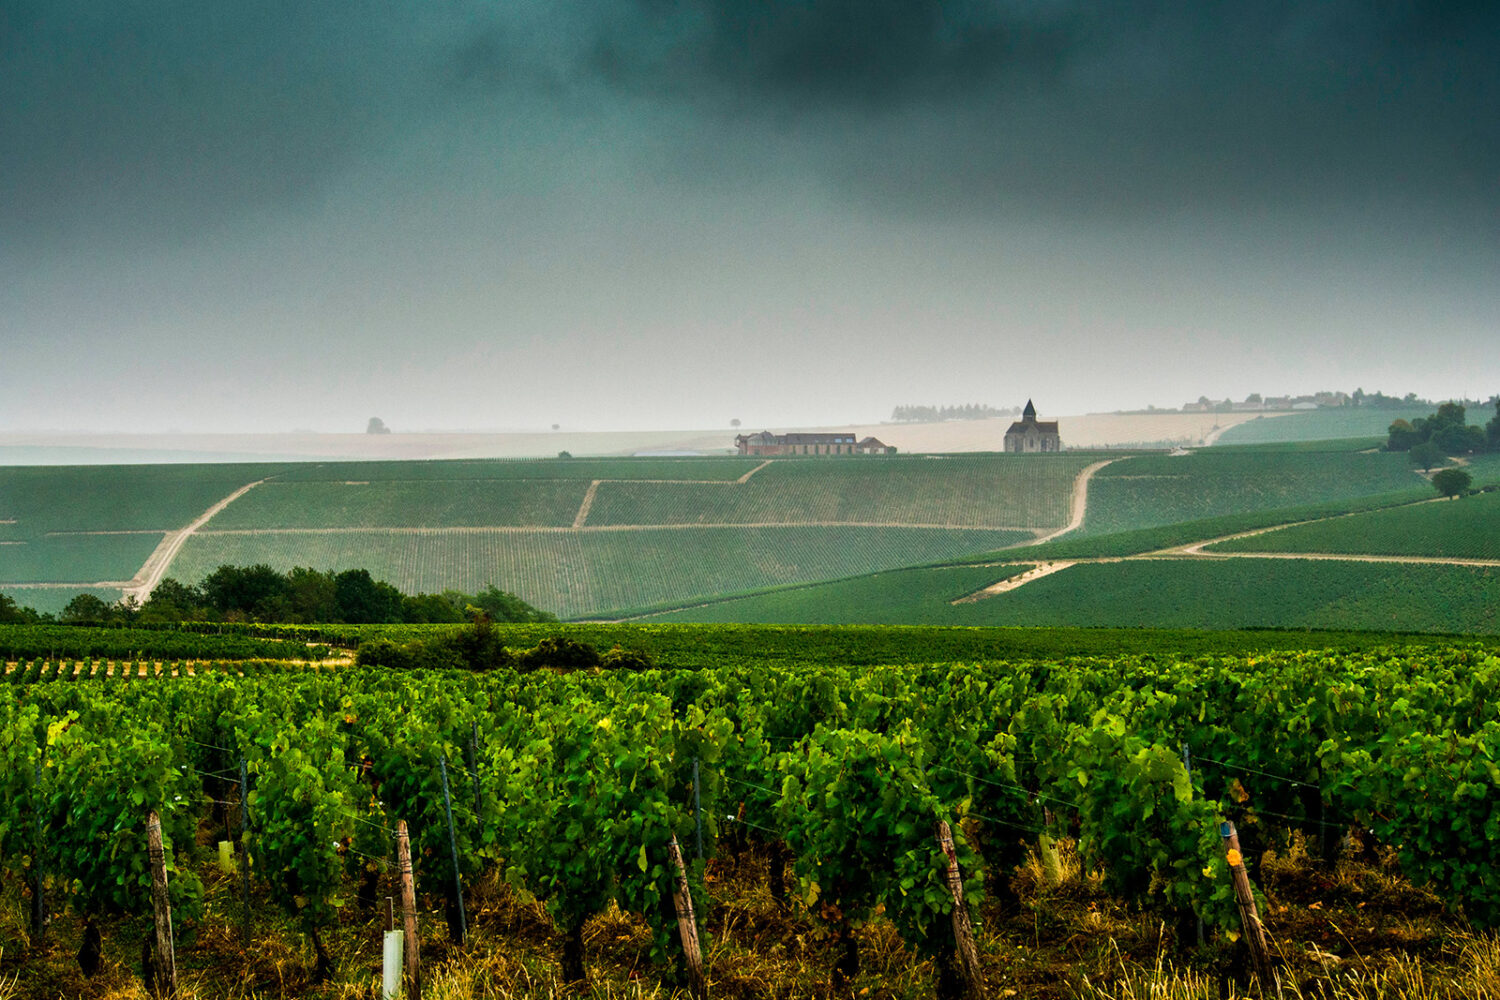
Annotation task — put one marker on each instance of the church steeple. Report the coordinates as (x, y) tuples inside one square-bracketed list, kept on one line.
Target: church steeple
[(1029, 413)]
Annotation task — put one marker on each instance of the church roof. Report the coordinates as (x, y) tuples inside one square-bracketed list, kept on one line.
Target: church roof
[(1040, 426), (1030, 412)]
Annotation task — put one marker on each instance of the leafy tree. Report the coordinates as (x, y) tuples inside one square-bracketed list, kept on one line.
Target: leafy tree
[(1456, 439), (248, 591), (314, 595), (1451, 482), (1492, 429), (1426, 455), (174, 601), (1402, 437), (85, 608), (502, 606), (363, 599), (12, 613), (561, 653), (1445, 430), (436, 608), (376, 426)]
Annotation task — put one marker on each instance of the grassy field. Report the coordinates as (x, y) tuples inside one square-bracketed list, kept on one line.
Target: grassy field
[(1153, 490), (1213, 594), (1465, 528), (576, 573), (966, 491), (1318, 425)]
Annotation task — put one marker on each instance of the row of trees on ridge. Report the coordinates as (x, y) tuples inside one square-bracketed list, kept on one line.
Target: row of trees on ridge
[(261, 593)]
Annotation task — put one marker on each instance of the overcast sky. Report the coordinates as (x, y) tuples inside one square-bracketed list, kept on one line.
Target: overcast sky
[(668, 213)]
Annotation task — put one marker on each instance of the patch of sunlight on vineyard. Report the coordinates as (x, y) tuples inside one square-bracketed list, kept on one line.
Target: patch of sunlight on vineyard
[(592, 572), (496, 503), (1467, 528), (1153, 490), (992, 491)]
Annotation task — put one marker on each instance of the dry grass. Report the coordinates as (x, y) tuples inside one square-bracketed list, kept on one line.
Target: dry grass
[(1360, 933)]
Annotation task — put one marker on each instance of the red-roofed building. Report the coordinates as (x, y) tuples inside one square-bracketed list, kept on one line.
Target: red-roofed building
[(766, 443)]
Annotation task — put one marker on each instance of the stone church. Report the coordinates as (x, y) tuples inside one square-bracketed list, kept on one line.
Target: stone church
[(1030, 434)]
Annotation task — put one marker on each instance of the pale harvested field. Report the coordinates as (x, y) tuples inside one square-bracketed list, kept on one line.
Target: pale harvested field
[(1095, 430)]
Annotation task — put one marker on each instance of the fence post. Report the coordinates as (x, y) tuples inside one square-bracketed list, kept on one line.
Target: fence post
[(164, 962), (458, 885), (1255, 933), (244, 847), (474, 765), (1187, 767), (697, 811), (408, 912), (687, 923), (963, 931), (38, 903)]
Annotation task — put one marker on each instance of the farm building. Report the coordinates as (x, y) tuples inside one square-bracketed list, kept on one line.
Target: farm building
[(766, 443), (1031, 434)]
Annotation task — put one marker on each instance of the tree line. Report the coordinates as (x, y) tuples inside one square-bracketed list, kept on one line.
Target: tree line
[(301, 596), (1430, 441), (1446, 432), (966, 411)]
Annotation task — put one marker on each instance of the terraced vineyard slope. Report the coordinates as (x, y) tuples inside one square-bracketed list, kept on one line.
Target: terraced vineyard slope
[(576, 537), (1152, 593), (1466, 528), (575, 573), (1154, 490), (91, 524), (1321, 425)]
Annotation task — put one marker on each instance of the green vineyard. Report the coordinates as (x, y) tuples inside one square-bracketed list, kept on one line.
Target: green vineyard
[(1468, 528), (1148, 593), (990, 491), (418, 503), (1149, 491), (595, 572), (573, 787)]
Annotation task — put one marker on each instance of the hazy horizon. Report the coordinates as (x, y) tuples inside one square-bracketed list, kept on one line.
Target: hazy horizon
[(641, 214)]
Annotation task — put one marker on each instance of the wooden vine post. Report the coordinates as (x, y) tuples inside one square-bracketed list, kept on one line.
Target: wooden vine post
[(687, 923), (458, 885), (1255, 932), (38, 901), (408, 912), (963, 931), (242, 846), (163, 961)]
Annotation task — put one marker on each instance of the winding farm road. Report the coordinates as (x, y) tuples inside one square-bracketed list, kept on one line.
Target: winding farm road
[(156, 564), (155, 567), (581, 518), (1080, 501), (1194, 551)]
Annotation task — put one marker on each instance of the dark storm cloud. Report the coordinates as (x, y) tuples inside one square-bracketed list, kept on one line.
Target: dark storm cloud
[(1098, 108), (153, 116), (165, 116)]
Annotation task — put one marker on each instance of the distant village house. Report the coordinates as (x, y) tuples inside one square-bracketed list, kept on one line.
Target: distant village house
[(1030, 434), (766, 443)]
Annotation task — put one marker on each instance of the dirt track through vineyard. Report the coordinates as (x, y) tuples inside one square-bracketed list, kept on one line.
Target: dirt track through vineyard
[(157, 564), (581, 518), (1194, 551)]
